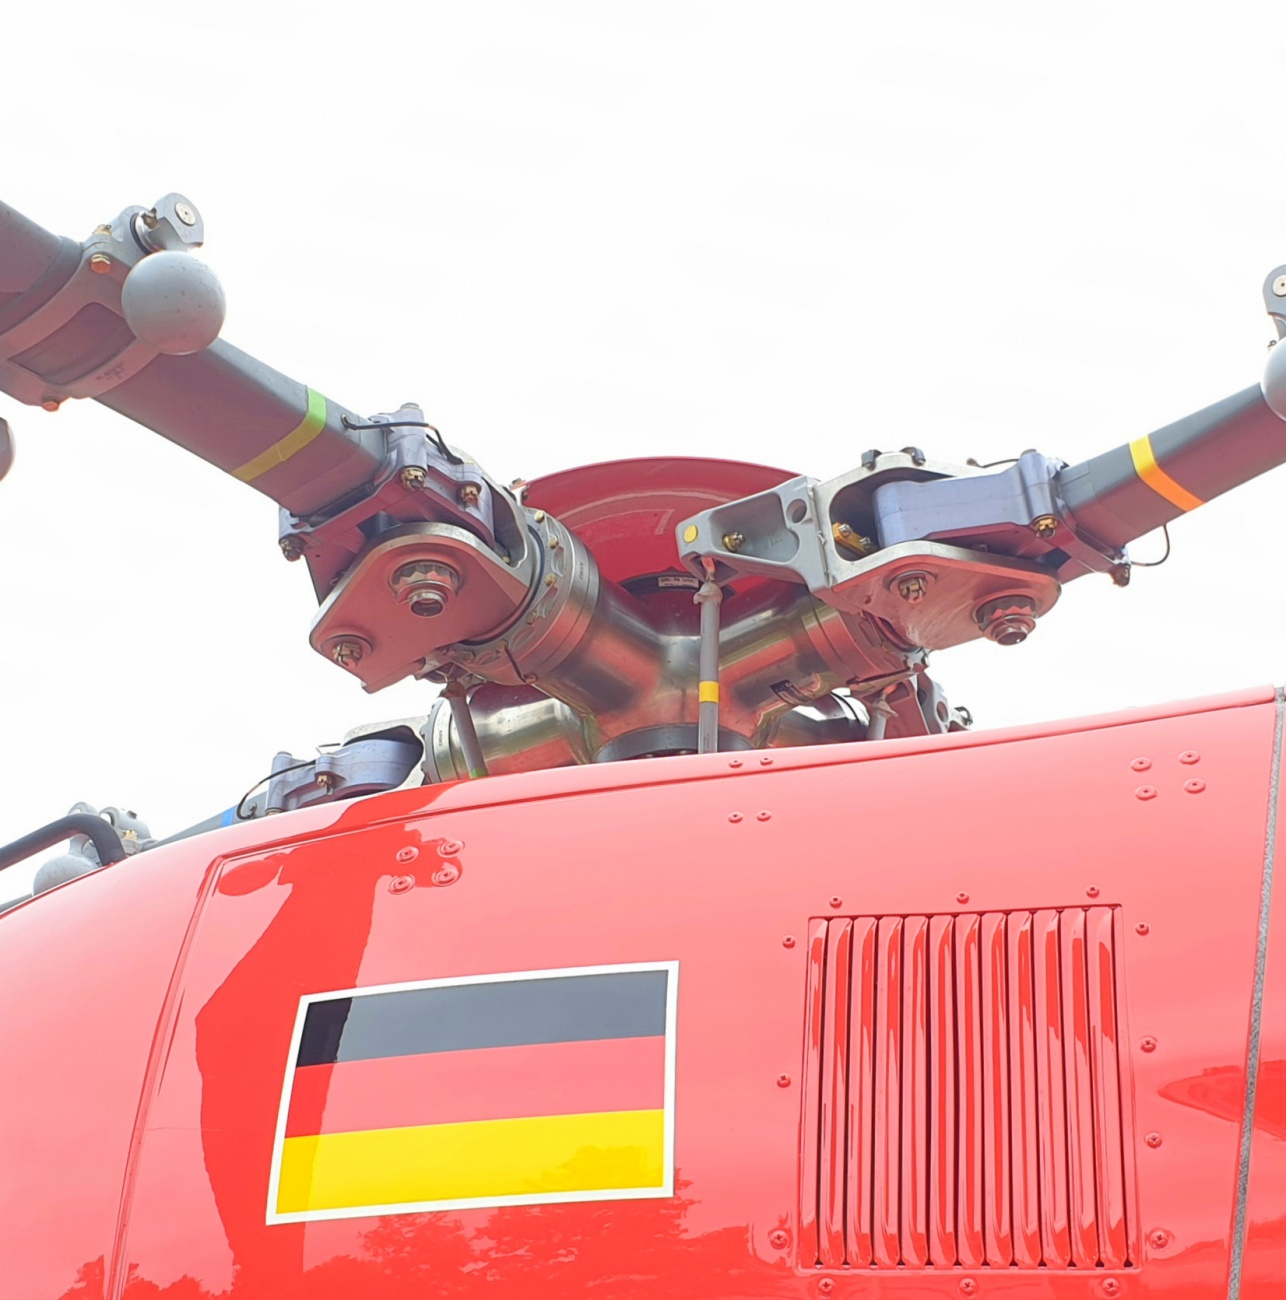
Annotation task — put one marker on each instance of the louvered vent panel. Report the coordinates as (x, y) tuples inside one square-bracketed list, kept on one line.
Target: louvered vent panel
[(963, 1093)]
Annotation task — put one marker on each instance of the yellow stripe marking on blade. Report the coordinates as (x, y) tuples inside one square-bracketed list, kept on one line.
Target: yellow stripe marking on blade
[(708, 693), (1146, 467), (606, 1151), (293, 443)]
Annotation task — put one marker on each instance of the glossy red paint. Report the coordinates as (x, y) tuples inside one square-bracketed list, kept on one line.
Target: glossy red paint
[(154, 1054)]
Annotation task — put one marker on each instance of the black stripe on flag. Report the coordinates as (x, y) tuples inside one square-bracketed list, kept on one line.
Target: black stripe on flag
[(500, 1013)]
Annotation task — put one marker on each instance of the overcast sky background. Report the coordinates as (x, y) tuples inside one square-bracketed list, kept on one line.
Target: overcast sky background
[(578, 232)]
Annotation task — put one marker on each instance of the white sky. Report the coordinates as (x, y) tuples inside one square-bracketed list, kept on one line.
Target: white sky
[(775, 233)]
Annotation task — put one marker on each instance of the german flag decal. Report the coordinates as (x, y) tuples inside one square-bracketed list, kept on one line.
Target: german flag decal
[(517, 1089)]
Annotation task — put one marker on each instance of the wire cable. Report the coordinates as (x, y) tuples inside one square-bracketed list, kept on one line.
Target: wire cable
[(448, 454)]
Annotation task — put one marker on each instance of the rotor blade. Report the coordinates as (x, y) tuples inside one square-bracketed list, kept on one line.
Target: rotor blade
[(1133, 489), (284, 439)]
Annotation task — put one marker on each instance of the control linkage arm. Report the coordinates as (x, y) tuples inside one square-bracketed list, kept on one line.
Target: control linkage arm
[(942, 554)]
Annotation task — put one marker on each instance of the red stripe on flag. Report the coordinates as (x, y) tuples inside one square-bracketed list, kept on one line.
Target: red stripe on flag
[(487, 1083)]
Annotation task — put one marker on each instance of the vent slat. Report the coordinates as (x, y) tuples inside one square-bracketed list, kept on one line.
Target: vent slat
[(962, 1093), (1083, 1231), (943, 1092), (970, 1246), (1113, 1242), (861, 1095), (833, 1170), (886, 1244), (811, 1147), (995, 1042)]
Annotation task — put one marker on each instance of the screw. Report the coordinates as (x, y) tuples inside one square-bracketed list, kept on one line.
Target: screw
[(783, 1081), (1141, 764), (825, 1286), (325, 780), (1279, 286), (1159, 1239), (1153, 1140), (766, 761), (763, 816), (779, 1239), (1045, 526), (1194, 786), (470, 494), (408, 854), (400, 884), (836, 901), (788, 941), (100, 264), (967, 1286), (913, 587), (446, 874), (412, 478), (449, 848), (1142, 928), (962, 897), (291, 547), (733, 541), (347, 654), (1148, 1044), (1111, 1286), (1189, 756), (1146, 792), (1091, 891), (734, 762), (734, 817)]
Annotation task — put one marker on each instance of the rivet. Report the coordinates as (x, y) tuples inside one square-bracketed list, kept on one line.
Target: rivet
[(1142, 928), (400, 884), (1189, 756), (734, 817), (783, 1081), (836, 901), (1159, 1239), (788, 941), (1146, 792), (962, 897), (1147, 1044), (1194, 786), (1141, 764), (408, 854), (967, 1286), (734, 762), (779, 1239), (1091, 891), (763, 815), (1153, 1140), (766, 761), (446, 874), (539, 516), (449, 848)]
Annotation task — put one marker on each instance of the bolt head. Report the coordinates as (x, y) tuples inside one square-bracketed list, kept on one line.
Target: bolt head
[(470, 494), (733, 541), (788, 941), (348, 652), (100, 264), (1091, 891), (913, 587), (1153, 1140), (783, 1081), (412, 478), (51, 403), (291, 547), (1045, 527), (836, 901), (962, 897), (1147, 1044)]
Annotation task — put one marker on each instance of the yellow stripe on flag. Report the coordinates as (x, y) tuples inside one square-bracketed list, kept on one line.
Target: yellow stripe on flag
[(1146, 467), (612, 1150)]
